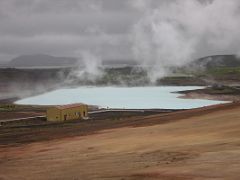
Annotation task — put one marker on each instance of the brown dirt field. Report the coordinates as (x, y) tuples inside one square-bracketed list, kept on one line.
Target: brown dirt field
[(13, 115), (194, 144)]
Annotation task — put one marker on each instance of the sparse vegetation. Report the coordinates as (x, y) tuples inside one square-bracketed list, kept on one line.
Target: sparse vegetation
[(221, 71)]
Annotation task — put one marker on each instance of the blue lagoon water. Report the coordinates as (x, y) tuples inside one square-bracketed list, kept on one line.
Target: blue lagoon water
[(121, 97)]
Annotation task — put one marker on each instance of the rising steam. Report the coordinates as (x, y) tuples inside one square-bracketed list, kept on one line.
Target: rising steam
[(90, 66), (88, 69), (179, 31)]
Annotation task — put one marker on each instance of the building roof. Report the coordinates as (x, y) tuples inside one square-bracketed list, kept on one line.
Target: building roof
[(68, 106)]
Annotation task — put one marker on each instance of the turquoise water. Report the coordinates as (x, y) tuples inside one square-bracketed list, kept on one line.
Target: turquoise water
[(121, 97)]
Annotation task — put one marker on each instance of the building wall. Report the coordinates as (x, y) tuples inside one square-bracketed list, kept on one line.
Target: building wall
[(74, 113), (53, 114)]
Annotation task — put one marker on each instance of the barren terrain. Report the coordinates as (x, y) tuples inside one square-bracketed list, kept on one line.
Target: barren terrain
[(193, 144)]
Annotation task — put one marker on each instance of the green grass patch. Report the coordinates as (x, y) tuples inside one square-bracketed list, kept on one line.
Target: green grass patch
[(224, 71)]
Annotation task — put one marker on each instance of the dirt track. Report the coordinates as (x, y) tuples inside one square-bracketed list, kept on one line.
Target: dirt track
[(194, 144)]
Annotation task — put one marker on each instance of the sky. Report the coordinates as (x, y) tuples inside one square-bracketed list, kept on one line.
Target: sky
[(156, 32)]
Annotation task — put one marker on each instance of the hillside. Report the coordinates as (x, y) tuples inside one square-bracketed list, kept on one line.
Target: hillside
[(219, 69), (193, 144), (218, 61), (41, 60), (222, 70), (212, 62)]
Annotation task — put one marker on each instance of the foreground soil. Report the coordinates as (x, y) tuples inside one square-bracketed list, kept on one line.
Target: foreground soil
[(194, 144)]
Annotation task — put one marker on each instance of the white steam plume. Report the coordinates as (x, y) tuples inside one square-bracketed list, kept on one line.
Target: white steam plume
[(178, 31), (89, 66)]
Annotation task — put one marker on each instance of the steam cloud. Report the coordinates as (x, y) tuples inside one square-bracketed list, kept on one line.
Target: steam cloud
[(89, 67), (176, 32), (160, 34)]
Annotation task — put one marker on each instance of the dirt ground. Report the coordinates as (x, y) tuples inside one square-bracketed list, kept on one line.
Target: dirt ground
[(13, 115), (194, 144)]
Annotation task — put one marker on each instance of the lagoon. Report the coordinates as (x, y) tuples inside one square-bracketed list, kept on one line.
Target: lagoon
[(160, 97)]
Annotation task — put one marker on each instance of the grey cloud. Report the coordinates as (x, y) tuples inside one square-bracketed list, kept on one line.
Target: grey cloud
[(60, 27), (148, 30), (67, 23), (60, 44)]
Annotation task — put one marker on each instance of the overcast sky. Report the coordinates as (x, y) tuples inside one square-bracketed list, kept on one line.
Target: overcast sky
[(119, 29)]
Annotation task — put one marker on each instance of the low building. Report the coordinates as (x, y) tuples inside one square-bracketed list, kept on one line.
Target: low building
[(67, 112)]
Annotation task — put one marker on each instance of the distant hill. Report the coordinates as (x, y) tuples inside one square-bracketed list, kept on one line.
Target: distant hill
[(119, 63), (41, 60), (216, 61)]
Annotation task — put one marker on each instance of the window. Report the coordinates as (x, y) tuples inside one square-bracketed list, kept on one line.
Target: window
[(77, 114)]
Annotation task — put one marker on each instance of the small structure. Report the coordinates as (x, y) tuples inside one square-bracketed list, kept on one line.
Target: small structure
[(67, 112)]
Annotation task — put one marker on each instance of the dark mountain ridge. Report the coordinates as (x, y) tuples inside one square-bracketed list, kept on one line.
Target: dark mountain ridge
[(41, 60), (217, 61)]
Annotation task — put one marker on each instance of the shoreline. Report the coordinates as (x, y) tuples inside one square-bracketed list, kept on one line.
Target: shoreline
[(224, 93), (193, 95), (186, 94)]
